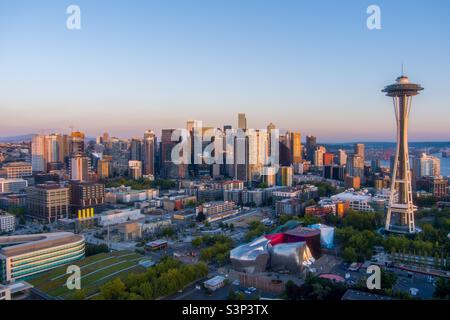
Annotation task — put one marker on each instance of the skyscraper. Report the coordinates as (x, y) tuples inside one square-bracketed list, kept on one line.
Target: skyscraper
[(136, 149), (296, 147), (318, 156), (77, 143), (400, 214), (242, 121), (48, 149), (149, 151), (79, 168), (355, 166), (342, 157), (360, 150), (38, 162), (311, 143)]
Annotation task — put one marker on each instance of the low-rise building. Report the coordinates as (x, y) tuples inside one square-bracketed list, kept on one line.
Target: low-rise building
[(218, 210), (7, 222), (291, 206), (118, 216), (359, 201), (175, 203), (214, 283), (48, 202), (13, 200), (26, 255), (17, 170), (12, 185)]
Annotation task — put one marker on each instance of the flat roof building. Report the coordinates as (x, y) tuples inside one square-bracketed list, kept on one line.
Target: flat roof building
[(48, 202), (26, 255), (7, 222)]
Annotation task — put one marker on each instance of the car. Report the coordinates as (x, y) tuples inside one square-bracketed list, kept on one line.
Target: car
[(247, 292), (235, 283), (198, 287)]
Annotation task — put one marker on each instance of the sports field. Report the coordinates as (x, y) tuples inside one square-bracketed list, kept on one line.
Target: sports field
[(95, 271)]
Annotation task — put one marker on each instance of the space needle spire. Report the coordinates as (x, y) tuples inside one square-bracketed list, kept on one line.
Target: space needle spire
[(400, 210)]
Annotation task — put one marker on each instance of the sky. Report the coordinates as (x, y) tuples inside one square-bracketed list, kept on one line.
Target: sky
[(311, 66)]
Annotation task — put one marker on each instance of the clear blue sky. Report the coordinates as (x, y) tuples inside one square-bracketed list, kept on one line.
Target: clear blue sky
[(306, 65)]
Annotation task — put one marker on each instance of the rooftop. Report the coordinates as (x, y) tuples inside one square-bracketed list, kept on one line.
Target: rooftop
[(17, 245)]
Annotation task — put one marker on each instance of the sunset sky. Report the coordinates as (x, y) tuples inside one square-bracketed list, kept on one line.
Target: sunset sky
[(303, 65)]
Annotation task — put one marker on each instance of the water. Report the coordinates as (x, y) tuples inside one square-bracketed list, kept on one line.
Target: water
[(445, 164)]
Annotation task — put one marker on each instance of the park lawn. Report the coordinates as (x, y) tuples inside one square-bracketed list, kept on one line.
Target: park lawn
[(94, 288), (95, 268), (45, 277)]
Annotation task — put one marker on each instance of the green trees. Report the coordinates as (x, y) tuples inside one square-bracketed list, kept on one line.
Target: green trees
[(442, 290), (257, 228), (19, 213), (168, 232), (114, 290), (166, 278), (217, 250), (349, 255), (93, 249), (315, 288), (141, 184), (388, 279), (79, 295), (358, 245), (363, 220)]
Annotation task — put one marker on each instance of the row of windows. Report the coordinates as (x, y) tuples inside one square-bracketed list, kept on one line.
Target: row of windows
[(38, 253), (43, 268), (47, 255), (46, 262)]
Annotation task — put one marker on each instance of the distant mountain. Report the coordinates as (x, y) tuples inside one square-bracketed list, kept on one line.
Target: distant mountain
[(22, 138)]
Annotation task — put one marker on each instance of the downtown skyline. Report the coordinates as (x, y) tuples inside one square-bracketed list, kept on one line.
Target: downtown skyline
[(154, 68)]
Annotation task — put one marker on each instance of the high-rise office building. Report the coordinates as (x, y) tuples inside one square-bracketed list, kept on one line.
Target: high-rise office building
[(342, 157), (48, 149), (135, 169), (311, 144), (136, 149), (400, 213), (258, 147), (360, 150), (328, 159), (38, 162), (242, 121), (104, 167), (270, 127), (149, 152), (168, 168), (77, 143), (318, 156), (284, 177), (296, 147), (79, 168), (426, 165), (355, 166), (285, 152)]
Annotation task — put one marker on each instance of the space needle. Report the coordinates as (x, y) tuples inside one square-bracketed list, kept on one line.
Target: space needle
[(400, 210)]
